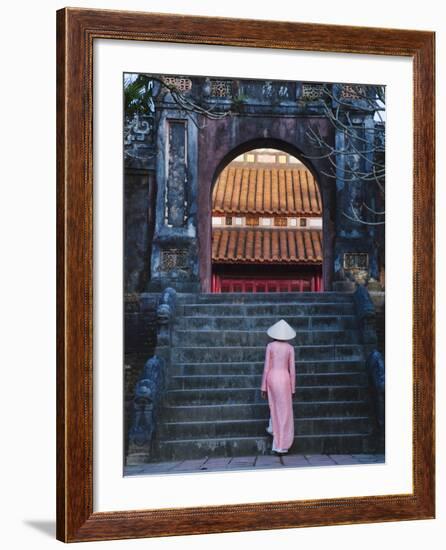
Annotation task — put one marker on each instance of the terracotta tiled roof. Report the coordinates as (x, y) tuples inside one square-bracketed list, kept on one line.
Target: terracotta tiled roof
[(255, 190), (266, 245)]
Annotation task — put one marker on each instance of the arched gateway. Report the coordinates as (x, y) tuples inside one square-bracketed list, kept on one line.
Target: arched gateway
[(177, 152), (290, 150), (266, 225)]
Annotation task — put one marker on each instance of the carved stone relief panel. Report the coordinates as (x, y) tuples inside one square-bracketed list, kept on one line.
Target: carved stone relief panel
[(221, 88), (182, 84), (173, 258), (312, 92), (352, 91), (176, 196), (356, 260)]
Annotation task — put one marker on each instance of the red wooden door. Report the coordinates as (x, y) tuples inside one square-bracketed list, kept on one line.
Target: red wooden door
[(222, 283)]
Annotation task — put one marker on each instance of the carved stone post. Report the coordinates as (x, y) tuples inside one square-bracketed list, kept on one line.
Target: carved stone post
[(150, 386), (145, 410), (374, 364), (376, 377)]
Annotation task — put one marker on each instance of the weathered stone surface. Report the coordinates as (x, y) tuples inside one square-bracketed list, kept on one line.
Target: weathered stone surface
[(177, 175), (212, 406), (188, 151), (258, 462), (139, 220), (144, 413)]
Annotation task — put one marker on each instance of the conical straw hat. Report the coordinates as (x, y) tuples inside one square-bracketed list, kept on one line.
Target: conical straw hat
[(281, 331)]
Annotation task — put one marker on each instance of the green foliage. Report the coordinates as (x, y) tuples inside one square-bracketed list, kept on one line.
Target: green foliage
[(138, 96)]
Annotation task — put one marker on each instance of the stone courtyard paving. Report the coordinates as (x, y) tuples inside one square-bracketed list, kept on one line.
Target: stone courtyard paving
[(252, 462)]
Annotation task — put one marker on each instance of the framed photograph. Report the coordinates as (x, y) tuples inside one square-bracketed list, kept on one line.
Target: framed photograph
[(245, 275)]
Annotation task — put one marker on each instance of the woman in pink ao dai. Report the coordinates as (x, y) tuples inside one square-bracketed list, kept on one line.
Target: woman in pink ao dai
[(279, 385)]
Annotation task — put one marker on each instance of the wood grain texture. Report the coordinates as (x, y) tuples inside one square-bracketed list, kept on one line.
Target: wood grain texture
[(76, 31)]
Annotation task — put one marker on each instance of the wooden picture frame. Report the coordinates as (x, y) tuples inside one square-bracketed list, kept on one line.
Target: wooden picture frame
[(76, 31)]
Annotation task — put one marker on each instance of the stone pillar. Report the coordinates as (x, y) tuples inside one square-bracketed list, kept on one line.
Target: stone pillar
[(355, 254), (174, 259)]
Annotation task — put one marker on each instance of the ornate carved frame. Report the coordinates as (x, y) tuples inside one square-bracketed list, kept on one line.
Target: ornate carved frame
[(76, 31)]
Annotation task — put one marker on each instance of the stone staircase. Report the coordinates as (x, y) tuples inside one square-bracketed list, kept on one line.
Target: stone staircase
[(212, 404)]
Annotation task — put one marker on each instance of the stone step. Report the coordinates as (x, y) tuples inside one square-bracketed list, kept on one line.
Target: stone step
[(260, 411), (252, 395), (248, 427), (252, 297), (254, 381), (298, 322), (257, 353), (246, 446), (206, 338), (302, 367), (278, 310), (212, 405)]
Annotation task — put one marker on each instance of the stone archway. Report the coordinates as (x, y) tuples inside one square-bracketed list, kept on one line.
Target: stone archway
[(326, 188), (266, 225), (188, 150)]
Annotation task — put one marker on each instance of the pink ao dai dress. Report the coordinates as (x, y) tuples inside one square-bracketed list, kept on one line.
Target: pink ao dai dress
[(279, 381)]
